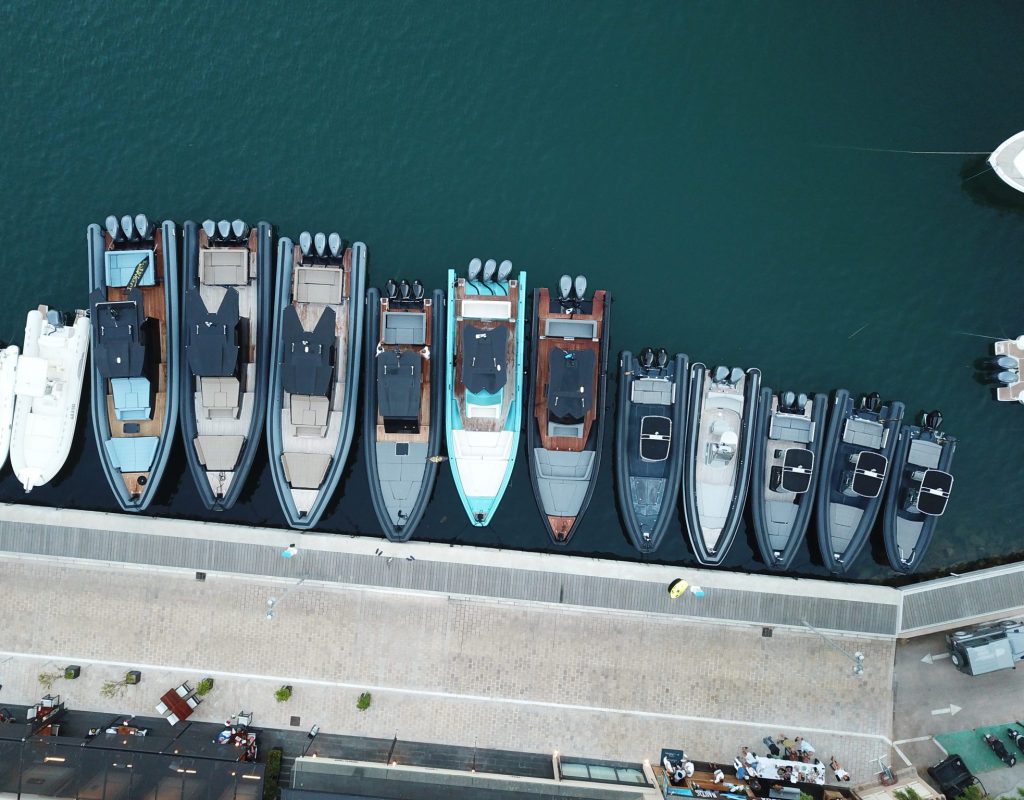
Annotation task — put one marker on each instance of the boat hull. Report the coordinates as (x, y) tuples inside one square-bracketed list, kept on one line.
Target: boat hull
[(8, 372), (399, 512), (647, 489)]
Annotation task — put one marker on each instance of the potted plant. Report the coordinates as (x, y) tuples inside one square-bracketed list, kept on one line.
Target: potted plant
[(283, 694), (363, 702), (71, 672), (204, 686), (132, 677)]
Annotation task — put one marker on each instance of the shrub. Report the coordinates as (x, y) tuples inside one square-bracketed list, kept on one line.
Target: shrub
[(204, 686), (283, 694), (47, 679), (907, 794), (973, 792), (272, 774), (363, 702)]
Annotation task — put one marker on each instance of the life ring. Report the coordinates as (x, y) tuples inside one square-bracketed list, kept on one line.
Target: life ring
[(677, 588)]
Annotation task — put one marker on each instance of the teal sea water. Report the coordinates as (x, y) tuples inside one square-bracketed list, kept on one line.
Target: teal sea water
[(705, 162)]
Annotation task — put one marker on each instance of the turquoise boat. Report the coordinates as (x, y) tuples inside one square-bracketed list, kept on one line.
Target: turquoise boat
[(484, 382)]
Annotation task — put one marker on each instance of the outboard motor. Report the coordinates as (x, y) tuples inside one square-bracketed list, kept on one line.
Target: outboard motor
[(240, 229), (735, 376), (55, 318), (305, 242), (1001, 362), (144, 226), (475, 268), (788, 401), (801, 402), (647, 358), (417, 290), (662, 358), (933, 420), (320, 243), (127, 227), (1006, 378), (721, 375), (490, 267), (504, 270), (580, 286), (336, 244), (564, 287), (873, 402), (224, 229), (391, 289), (113, 228), (404, 289)]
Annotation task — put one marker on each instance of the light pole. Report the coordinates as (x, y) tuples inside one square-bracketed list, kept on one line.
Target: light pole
[(273, 601), (857, 658)]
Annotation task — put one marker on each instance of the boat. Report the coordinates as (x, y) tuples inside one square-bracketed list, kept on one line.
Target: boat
[(225, 353), (1004, 369), (49, 392), (1007, 161), (918, 491), (858, 448), (8, 376), (788, 432), (649, 416), (568, 370), (314, 370), (484, 382), (716, 463), (404, 386), (133, 303)]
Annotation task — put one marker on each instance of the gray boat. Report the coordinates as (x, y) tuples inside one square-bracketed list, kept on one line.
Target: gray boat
[(858, 449), (918, 491), (649, 424), (133, 303), (228, 285), (716, 465), (403, 412), (788, 433), (314, 370)]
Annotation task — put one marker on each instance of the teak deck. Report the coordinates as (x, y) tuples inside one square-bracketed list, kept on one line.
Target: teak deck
[(476, 423), (155, 307), (424, 411)]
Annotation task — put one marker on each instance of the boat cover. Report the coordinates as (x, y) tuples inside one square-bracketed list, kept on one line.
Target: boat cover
[(131, 398), (571, 384), (118, 351), (655, 437), (211, 343), (483, 359), (398, 384), (934, 493), (797, 470), (869, 473), (308, 355)]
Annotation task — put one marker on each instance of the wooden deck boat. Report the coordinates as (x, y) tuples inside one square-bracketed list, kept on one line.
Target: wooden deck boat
[(650, 421), (918, 491), (565, 432), (49, 393), (788, 432), (716, 466), (855, 465), (133, 302), (404, 386), (225, 353), (484, 382), (314, 370)]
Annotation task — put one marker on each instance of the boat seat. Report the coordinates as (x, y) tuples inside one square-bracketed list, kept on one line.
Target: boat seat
[(318, 285), (652, 391), (219, 453), (570, 328), (308, 414), (560, 429), (132, 453), (791, 428), (305, 470), (483, 359), (131, 398), (655, 438), (220, 397), (864, 433), (121, 265), (922, 453), (405, 327), (722, 450), (30, 379), (224, 266), (486, 310)]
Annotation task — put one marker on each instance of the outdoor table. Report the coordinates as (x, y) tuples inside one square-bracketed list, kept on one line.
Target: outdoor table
[(768, 768), (176, 705)]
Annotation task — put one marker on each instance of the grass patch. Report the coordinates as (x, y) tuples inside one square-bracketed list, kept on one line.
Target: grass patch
[(272, 774)]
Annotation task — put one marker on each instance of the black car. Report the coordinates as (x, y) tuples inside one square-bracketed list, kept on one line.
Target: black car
[(952, 776)]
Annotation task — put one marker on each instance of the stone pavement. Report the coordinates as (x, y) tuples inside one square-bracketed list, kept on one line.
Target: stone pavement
[(527, 676)]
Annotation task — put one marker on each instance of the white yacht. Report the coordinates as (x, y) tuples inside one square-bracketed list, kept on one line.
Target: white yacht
[(8, 369), (1008, 161), (48, 391)]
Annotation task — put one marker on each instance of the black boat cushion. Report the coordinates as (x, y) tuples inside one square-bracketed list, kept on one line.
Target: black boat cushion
[(655, 437), (570, 384), (483, 359), (211, 337), (869, 473), (118, 349), (934, 492), (308, 358), (398, 384), (797, 470)]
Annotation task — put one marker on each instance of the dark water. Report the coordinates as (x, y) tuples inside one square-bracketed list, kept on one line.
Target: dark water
[(697, 160)]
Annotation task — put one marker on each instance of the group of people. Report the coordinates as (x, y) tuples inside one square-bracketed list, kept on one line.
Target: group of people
[(796, 750)]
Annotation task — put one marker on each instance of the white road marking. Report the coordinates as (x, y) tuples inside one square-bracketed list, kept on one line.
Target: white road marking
[(951, 710), (931, 659), (285, 679)]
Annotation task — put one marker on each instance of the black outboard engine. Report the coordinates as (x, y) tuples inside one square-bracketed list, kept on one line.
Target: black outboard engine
[(417, 290), (662, 358), (647, 358), (788, 401), (873, 402), (933, 420), (403, 290), (391, 289)]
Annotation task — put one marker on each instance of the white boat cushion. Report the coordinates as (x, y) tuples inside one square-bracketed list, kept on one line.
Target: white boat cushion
[(305, 470), (219, 453), (224, 266), (318, 285)]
